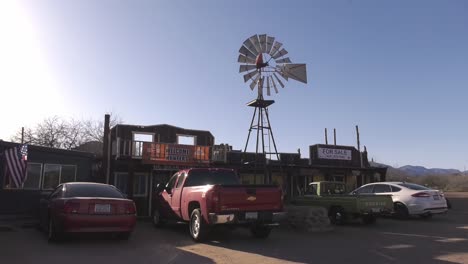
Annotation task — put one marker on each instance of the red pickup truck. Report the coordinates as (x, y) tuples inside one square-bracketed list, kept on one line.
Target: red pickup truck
[(206, 197)]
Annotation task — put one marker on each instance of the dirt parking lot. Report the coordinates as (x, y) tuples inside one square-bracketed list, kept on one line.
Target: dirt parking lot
[(442, 239)]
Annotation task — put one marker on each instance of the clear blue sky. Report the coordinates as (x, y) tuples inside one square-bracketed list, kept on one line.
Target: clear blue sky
[(398, 69)]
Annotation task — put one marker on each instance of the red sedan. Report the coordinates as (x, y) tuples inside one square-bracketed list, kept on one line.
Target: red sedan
[(82, 207)]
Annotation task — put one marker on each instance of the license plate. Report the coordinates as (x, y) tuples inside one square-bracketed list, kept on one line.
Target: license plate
[(251, 215), (102, 208), (436, 197)]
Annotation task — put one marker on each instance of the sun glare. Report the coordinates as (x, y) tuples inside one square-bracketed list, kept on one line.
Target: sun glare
[(27, 87)]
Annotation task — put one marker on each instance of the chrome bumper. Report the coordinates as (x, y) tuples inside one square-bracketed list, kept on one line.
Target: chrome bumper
[(221, 219)]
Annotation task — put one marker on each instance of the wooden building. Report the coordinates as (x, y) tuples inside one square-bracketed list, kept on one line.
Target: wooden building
[(47, 168), (143, 156)]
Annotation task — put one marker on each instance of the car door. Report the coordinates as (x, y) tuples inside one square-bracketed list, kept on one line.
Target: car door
[(48, 205), (166, 197), (177, 194)]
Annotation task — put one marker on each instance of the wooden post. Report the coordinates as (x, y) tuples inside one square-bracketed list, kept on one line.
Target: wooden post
[(359, 145), (326, 137), (105, 151), (334, 135)]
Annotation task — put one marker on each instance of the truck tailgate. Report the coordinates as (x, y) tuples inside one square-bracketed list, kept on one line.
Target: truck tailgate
[(250, 198)]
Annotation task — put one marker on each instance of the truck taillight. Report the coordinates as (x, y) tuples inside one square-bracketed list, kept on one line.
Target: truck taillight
[(214, 200), (421, 194), (71, 207)]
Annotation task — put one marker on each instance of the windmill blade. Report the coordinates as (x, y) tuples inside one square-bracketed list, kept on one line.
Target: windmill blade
[(275, 48), (244, 59), (249, 45), (280, 53), (285, 60), (250, 75), (268, 86), (274, 85), (256, 43), (244, 68), (296, 71), (281, 73), (280, 82), (244, 51), (252, 85), (262, 39), (269, 44)]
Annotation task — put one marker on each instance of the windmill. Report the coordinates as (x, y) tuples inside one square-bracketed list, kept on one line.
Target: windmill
[(264, 64)]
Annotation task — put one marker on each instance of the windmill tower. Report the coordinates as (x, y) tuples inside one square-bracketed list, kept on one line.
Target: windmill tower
[(265, 66)]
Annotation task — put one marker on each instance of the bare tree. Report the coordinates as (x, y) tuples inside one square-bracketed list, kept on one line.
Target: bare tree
[(94, 130), (57, 132)]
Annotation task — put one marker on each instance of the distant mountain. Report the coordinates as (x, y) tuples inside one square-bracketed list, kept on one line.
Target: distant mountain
[(421, 171), (415, 171)]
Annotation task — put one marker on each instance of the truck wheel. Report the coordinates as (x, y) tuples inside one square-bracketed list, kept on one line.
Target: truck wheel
[(401, 211), (369, 219), (198, 226), (336, 215), (260, 231), (156, 218)]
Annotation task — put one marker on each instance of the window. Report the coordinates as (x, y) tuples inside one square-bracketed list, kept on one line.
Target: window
[(140, 183), (138, 139), (57, 192), (365, 189), (172, 181), (181, 180), (312, 189), (92, 190), (54, 174), (33, 178), (51, 176), (203, 177), (382, 188), (413, 186), (395, 189), (186, 140)]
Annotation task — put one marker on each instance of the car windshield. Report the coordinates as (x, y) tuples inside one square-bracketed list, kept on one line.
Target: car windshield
[(413, 186), (92, 190), (204, 177)]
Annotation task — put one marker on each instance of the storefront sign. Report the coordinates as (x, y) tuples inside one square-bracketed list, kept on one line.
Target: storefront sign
[(174, 154), (334, 154)]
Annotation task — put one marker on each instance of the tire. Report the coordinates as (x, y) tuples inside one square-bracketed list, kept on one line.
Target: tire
[(198, 228), (336, 215), (52, 233), (124, 236), (401, 211), (156, 218), (260, 231), (369, 219), (449, 205)]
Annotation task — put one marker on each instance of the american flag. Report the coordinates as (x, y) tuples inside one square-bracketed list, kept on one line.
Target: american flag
[(16, 165)]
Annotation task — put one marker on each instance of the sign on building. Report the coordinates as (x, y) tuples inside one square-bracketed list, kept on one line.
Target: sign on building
[(175, 154), (334, 154)]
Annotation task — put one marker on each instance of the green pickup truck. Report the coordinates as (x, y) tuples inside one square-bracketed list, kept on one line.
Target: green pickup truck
[(342, 206)]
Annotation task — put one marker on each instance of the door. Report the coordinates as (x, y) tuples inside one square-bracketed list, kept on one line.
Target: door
[(47, 206), (165, 201), (177, 195)]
